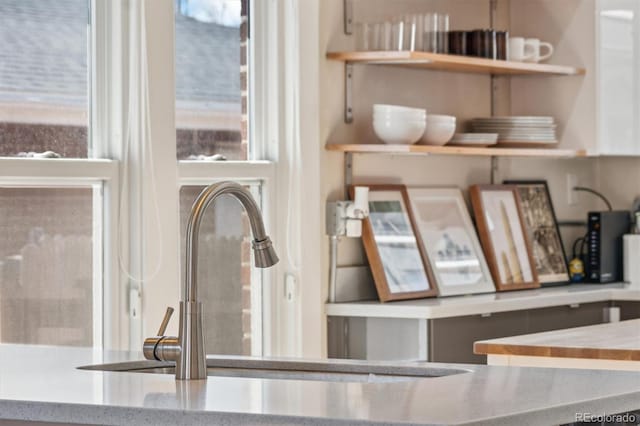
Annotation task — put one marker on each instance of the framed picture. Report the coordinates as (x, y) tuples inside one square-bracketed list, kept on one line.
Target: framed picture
[(396, 259), (504, 236), (542, 226), (447, 234)]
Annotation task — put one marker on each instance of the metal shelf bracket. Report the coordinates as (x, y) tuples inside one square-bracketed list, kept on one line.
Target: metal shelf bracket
[(348, 17), (348, 173), (348, 93), (495, 169)]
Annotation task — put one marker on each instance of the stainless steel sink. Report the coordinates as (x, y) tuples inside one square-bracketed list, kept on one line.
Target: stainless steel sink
[(291, 370)]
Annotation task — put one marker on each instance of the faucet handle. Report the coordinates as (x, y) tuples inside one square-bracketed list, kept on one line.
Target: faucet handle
[(165, 321)]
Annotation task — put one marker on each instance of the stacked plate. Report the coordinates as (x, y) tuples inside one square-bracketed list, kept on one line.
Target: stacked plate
[(474, 139), (519, 130)]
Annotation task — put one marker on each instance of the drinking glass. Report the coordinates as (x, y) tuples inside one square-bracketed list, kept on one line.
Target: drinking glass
[(363, 37), (386, 35), (429, 35), (442, 31), (376, 33), (397, 34), (411, 32)]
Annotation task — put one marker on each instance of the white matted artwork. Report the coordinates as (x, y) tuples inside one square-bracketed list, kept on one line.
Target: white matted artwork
[(444, 227)]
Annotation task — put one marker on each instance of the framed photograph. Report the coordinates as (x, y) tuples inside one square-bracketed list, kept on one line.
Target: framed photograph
[(396, 259), (504, 236), (445, 230), (542, 226)]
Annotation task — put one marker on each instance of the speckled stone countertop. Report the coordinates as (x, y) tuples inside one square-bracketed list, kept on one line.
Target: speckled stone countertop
[(39, 383)]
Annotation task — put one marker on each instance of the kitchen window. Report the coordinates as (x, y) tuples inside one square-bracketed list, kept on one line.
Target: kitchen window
[(212, 62), (114, 206), (51, 212)]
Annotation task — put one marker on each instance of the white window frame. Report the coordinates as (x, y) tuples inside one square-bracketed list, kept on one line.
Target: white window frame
[(264, 145), (276, 104), (69, 173)]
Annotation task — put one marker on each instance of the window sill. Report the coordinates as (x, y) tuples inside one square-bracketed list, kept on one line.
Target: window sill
[(72, 169)]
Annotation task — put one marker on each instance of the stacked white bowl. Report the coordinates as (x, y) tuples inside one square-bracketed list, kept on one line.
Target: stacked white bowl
[(440, 129), (396, 124)]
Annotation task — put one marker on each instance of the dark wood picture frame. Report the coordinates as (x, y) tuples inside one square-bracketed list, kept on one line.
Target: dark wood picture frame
[(551, 281), (375, 260), (479, 210)]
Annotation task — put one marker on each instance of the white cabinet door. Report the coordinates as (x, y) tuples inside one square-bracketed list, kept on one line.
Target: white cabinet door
[(619, 77)]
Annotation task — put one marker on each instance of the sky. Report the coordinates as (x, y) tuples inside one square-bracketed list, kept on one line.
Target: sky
[(222, 12)]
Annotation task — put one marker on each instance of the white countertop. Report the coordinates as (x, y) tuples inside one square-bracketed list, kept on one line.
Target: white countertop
[(43, 384), (445, 307)]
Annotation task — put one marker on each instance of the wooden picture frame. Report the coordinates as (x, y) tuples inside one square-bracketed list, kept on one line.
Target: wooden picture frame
[(504, 236), (454, 253), (397, 259), (544, 232)]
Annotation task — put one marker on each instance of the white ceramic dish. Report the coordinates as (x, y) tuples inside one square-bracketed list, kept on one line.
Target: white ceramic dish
[(400, 117), (397, 109), (438, 133), (516, 118), (474, 139), (441, 118), (399, 132)]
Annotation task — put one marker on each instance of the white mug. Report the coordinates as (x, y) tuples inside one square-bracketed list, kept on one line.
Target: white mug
[(517, 50), (532, 48)]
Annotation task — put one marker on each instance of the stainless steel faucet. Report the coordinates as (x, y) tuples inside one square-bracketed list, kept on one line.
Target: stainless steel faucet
[(187, 350)]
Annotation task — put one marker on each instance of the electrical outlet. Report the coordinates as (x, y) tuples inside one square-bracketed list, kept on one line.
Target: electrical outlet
[(572, 196)]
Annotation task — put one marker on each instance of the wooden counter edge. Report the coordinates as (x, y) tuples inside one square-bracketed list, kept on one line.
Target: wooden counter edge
[(482, 348)]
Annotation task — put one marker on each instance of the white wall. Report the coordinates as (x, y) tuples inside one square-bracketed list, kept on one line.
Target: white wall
[(619, 180)]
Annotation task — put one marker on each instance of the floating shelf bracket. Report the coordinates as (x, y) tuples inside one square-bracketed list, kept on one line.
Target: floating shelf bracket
[(348, 173), (348, 17), (495, 168), (348, 93)]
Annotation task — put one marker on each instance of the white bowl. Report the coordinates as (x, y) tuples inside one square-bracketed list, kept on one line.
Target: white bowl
[(398, 132), (400, 118), (441, 118), (397, 109), (409, 115), (438, 133)]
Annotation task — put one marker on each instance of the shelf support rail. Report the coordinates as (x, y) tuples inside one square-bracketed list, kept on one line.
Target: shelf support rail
[(348, 17), (495, 169), (348, 93), (348, 173)]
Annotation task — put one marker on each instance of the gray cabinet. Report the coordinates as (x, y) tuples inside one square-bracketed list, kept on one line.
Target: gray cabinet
[(628, 310), (451, 339)]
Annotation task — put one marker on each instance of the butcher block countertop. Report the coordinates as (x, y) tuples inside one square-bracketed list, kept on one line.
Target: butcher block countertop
[(618, 341)]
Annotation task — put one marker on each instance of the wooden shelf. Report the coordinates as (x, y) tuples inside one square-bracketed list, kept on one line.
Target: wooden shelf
[(455, 63), (454, 150)]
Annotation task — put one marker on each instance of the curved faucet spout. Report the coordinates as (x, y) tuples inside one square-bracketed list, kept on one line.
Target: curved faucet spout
[(187, 350), (265, 255)]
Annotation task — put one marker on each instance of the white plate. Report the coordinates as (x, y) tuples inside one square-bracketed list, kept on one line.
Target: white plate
[(515, 119), (478, 144), (525, 144), (474, 136), (517, 125), (531, 134), (526, 139)]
